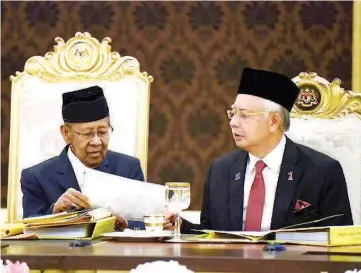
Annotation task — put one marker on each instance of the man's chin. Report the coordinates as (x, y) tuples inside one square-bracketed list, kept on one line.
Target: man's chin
[(94, 162), (94, 165), (241, 144)]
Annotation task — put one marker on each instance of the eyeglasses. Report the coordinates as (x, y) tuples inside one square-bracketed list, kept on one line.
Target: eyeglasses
[(242, 114), (103, 134)]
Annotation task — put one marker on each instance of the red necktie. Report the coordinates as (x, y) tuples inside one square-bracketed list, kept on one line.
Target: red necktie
[(256, 200)]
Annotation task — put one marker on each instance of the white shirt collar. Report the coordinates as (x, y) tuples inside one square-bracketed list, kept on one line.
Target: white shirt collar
[(78, 167), (273, 159)]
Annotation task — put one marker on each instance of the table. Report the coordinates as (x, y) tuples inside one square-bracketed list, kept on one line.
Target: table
[(110, 255)]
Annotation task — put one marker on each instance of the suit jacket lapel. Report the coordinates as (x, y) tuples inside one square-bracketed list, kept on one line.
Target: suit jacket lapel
[(65, 175), (289, 177), (236, 187)]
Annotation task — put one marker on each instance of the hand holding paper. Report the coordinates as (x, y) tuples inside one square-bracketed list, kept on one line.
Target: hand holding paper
[(68, 199), (127, 198)]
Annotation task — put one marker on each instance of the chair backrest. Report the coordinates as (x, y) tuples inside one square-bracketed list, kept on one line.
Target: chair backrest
[(36, 102), (327, 118)]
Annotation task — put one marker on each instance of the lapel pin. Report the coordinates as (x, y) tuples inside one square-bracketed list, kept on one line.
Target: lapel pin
[(237, 176), (290, 176)]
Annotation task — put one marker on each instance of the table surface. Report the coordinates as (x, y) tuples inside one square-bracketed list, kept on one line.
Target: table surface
[(200, 257)]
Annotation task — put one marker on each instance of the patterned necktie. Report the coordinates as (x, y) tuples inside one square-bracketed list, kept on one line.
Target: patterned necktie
[(256, 200)]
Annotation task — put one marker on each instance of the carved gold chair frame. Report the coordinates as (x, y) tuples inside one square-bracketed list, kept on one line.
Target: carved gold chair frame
[(327, 117), (322, 99)]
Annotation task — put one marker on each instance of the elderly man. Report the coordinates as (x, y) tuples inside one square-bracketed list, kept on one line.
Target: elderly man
[(270, 182), (55, 185)]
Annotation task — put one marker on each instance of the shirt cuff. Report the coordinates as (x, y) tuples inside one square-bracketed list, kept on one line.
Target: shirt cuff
[(52, 207)]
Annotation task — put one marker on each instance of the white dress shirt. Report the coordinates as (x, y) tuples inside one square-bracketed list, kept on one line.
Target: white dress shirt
[(270, 174), (78, 167), (80, 171)]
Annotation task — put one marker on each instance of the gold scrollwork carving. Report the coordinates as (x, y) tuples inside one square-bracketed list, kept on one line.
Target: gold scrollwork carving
[(320, 98), (82, 58)]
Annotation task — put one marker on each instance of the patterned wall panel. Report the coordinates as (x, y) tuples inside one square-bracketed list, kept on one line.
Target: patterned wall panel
[(196, 52)]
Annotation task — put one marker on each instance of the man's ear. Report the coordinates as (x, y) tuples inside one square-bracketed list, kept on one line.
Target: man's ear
[(275, 121), (65, 133)]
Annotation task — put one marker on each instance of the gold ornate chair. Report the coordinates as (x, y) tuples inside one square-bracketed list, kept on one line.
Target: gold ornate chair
[(327, 118), (36, 104)]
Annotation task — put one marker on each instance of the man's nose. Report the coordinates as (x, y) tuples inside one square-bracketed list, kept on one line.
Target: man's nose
[(96, 140), (233, 122)]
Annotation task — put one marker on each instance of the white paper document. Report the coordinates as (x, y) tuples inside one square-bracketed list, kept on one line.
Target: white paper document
[(130, 199)]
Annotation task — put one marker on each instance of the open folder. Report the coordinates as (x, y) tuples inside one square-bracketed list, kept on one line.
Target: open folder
[(318, 236)]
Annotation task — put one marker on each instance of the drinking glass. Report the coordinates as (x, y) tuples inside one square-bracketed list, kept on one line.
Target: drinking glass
[(178, 198)]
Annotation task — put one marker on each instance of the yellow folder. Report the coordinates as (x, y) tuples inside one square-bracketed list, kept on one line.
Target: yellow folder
[(91, 230), (8, 229)]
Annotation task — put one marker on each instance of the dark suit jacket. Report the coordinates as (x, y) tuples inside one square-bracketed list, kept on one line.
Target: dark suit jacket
[(317, 179), (44, 183)]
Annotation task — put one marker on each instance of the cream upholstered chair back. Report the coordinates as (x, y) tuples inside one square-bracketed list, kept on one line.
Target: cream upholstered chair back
[(327, 118), (36, 103)]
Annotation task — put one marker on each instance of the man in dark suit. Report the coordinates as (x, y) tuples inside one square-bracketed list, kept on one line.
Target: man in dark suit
[(270, 182), (55, 185)]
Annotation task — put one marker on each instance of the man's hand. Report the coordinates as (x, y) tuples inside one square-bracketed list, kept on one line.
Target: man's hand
[(71, 196), (120, 224), (170, 221)]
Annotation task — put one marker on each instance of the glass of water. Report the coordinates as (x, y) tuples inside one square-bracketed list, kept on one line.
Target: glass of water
[(178, 198)]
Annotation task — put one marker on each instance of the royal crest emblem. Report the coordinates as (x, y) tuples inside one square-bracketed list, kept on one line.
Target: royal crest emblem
[(308, 99)]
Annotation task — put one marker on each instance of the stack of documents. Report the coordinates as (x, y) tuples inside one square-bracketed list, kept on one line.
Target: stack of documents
[(330, 236), (86, 224)]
